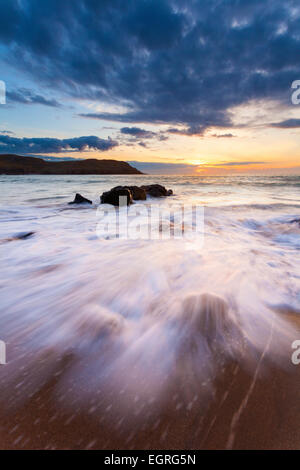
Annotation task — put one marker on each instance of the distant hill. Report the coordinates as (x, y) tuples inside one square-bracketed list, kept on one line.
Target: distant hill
[(18, 165)]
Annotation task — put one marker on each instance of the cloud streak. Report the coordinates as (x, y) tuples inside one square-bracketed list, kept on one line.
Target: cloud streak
[(223, 136), (235, 164), (287, 124), (138, 132), (25, 96), (41, 145)]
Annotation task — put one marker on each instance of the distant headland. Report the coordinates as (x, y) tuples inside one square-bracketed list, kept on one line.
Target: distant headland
[(18, 165)]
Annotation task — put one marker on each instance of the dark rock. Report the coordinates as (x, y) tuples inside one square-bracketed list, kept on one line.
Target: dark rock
[(23, 236), (80, 200), (156, 190), (19, 236), (112, 196), (138, 194), (295, 221)]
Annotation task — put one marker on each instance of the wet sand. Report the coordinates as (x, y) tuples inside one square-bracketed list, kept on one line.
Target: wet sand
[(257, 410)]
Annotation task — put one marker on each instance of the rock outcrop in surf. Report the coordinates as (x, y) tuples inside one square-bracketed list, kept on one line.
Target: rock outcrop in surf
[(157, 190), (117, 196), (80, 200), (138, 193), (134, 193)]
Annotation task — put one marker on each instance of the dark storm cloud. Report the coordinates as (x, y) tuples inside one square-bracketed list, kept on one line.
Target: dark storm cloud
[(287, 124), (40, 145), (25, 96), (177, 62)]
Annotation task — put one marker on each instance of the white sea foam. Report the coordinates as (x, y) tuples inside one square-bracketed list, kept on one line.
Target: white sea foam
[(138, 315)]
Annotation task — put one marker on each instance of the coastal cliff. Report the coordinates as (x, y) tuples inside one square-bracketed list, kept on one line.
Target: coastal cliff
[(18, 165)]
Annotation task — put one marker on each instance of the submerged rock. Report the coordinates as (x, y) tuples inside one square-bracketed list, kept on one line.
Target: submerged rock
[(113, 196), (207, 313), (157, 190), (24, 235), (208, 323), (19, 236), (80, 200)]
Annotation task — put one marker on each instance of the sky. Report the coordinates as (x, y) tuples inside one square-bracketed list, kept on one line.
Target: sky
[(200, 87)]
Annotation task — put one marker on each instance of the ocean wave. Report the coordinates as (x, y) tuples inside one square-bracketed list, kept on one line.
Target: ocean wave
[(148, 318)]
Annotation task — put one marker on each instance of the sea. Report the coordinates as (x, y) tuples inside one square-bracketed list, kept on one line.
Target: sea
[(128, 313)]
